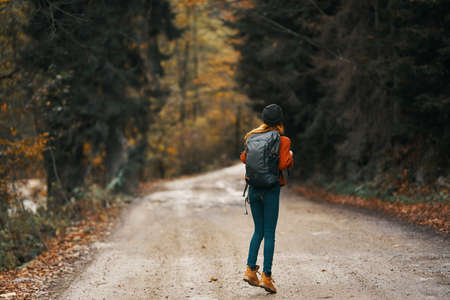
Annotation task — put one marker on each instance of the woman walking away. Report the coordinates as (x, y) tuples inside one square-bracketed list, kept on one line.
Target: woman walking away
[(267, 153)]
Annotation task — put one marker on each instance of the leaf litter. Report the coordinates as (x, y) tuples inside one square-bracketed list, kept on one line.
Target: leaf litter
[(35, 278), (435, 215)]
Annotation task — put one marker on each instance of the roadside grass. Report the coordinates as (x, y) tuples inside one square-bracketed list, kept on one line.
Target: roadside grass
[(423, 206), (388, 194), (24, 234), (38, 249)]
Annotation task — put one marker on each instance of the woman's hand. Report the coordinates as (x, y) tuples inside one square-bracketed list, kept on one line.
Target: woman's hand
[(292, 163)]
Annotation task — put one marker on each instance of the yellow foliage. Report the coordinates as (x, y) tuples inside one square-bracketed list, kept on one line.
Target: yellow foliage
[(213, 110), (131, 141), (190, 3), (13, 131), (87, 148), (171, 150), (98, 160)]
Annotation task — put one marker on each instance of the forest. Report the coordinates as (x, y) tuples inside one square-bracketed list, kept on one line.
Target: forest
[(364, 85), (98, 97), (90, 109)]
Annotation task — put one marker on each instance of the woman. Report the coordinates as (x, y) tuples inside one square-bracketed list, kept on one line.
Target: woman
[(264, 202)]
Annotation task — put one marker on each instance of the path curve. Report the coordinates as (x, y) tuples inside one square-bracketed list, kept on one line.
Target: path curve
[(173, 241)]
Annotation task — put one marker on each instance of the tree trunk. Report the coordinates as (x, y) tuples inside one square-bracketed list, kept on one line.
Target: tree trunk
[(196, 102), (114, 153)]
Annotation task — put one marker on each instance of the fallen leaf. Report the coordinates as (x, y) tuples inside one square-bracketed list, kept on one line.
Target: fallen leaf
[(429, 214), (34, 277)]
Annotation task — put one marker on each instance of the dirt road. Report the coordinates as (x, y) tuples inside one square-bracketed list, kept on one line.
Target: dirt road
[(173, 241)]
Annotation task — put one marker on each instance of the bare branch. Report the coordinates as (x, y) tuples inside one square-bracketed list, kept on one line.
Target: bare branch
[(305, 38), (314, 3)]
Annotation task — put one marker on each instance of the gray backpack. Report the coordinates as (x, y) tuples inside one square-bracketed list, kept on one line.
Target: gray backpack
[(261, 168)]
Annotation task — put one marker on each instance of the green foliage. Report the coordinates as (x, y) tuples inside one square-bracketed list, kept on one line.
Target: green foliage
[(79, 85), (364, 84), (98, 81), (23, 233), (20, 238), (421, 72), (369, 190), (276, 68)]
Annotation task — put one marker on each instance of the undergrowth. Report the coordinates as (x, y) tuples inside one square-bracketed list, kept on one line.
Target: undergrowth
[(23, 234), (389, 193)]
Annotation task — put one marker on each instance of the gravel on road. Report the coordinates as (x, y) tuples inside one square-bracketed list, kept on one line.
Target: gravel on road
[(189, 240)]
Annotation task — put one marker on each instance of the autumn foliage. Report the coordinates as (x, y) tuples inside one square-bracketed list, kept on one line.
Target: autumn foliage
[(99, 96), (60, 257), (96, 97), (77, 96), (201, 125), (364, 84)]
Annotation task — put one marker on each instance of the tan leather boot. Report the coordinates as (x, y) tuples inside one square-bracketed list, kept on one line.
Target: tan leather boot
[(266, 283), (251, 277)]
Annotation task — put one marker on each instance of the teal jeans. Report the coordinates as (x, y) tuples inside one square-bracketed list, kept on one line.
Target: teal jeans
[(264, 204)]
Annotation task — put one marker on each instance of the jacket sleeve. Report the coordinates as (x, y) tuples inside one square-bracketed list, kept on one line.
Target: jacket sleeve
[(243, 156), (286, 159)]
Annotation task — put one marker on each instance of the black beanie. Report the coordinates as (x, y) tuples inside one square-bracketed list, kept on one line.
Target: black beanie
[(272, 115)]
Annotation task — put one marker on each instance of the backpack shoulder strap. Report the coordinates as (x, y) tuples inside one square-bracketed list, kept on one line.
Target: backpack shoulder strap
[(246, 198), (245, 189)]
